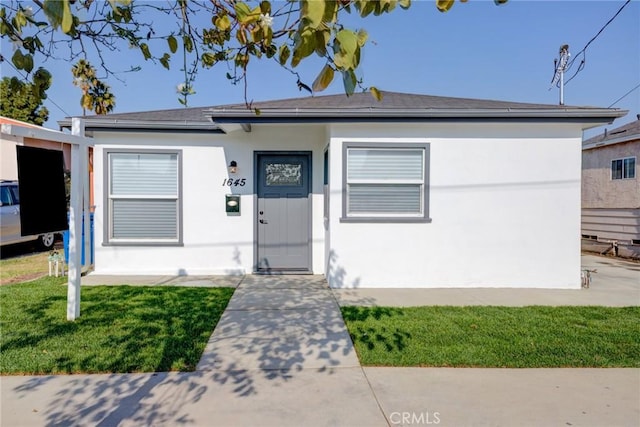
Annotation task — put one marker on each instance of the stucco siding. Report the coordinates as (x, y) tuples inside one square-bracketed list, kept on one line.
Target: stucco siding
[(213, 242), (598, 189), (504, 209), (8, 157)]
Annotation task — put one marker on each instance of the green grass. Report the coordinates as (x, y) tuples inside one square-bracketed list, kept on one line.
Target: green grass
[(511, 337), (120, 329)]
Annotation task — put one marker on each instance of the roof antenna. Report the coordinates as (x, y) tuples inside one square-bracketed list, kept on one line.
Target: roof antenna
[(560, 68)]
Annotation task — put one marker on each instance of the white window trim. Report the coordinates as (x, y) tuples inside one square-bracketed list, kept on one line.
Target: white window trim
[(108, 199), (423, 216), (635, 172)]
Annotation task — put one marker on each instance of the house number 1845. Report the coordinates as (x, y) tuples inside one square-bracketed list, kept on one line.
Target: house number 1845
[(230, 182)]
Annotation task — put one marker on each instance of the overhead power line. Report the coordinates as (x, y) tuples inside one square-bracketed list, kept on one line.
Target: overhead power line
[(624, 96), (24, 79), (583, 51)]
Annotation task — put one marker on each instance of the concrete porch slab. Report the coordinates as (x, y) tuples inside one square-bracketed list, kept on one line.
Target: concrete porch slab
[(284, 281), (280, 299), (150, 280)]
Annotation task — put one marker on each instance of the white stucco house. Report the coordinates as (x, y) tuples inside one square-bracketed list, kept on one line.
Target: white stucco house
[(413, 191)]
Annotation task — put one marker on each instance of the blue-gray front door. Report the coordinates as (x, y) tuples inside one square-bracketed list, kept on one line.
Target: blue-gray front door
[(283, 215)]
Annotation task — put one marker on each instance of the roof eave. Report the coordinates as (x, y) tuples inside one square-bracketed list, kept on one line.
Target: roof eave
[(371, 114), (44, 134), (117, 125), (613, 141)]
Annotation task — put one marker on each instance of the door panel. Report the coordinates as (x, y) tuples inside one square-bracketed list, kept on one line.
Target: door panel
[(284, 235)]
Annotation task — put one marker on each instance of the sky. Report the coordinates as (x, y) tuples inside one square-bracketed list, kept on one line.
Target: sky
[(476, 50)]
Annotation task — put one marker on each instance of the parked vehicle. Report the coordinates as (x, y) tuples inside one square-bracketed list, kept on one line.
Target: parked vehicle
[(10, 219)]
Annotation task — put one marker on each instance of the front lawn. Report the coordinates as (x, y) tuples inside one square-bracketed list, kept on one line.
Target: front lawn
[(510, 337), (120, 329)]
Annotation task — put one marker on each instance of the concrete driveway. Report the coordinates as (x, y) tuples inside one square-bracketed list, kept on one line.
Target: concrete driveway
[(616, 283)]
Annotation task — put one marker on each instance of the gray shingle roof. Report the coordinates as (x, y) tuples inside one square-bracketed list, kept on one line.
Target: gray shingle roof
[(623, 133), (330, 108), (189, 114), (390, 100)]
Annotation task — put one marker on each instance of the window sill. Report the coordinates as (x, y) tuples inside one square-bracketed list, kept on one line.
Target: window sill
[(384, 220), (145, 244)]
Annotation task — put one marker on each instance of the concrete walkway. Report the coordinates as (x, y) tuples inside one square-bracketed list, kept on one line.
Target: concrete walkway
[(281, 356)]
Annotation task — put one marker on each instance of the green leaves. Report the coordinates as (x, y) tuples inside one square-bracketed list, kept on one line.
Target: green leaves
[(283, 54), (59, 14), (362, 37), (188, 43), (346, 50), (324, 79), (349, 80), (223, 23), (144, 48), (165, 60), (245, 15), (22, 62), (312, 12), (208, 59), (304, 45), (173, 44), (444, 5), (23, 101), (376, 93), (235, 32)]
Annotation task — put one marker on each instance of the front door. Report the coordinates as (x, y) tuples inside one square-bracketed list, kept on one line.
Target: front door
[(283, 215)]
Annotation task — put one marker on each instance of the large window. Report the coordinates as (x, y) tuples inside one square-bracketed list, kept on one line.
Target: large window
[(386, 182), (623, 168), (144, 197)]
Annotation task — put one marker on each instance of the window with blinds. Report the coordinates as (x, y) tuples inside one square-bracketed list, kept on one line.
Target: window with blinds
[(144, 196), (386, 182)]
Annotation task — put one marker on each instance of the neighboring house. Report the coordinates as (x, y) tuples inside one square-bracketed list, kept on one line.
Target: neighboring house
[(413, 191), (43, 138), (8, 143), (611, 191)]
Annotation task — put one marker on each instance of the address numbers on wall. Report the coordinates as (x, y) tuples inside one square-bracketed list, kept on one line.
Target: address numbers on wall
[(230, 182)]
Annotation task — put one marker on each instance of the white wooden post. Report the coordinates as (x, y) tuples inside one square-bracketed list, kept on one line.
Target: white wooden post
[(86, 245), (75, 224)]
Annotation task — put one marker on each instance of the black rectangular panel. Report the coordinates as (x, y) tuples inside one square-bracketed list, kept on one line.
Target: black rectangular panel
[(43, 204)]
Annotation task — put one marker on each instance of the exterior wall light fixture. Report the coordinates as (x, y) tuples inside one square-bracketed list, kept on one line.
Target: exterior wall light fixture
[(233, 167)]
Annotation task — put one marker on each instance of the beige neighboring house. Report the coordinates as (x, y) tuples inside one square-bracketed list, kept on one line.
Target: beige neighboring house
[(9, 164), (611, 191), (47, 138)]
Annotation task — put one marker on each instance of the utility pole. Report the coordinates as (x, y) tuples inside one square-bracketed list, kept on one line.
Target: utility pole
[(560, 67)]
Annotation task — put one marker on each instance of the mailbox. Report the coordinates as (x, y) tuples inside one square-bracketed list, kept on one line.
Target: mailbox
[(232, 203)]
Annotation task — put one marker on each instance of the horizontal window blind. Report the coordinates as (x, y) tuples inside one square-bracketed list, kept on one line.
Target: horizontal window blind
[(144, 219), (144, 174), (381, 164), (385, 199)]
